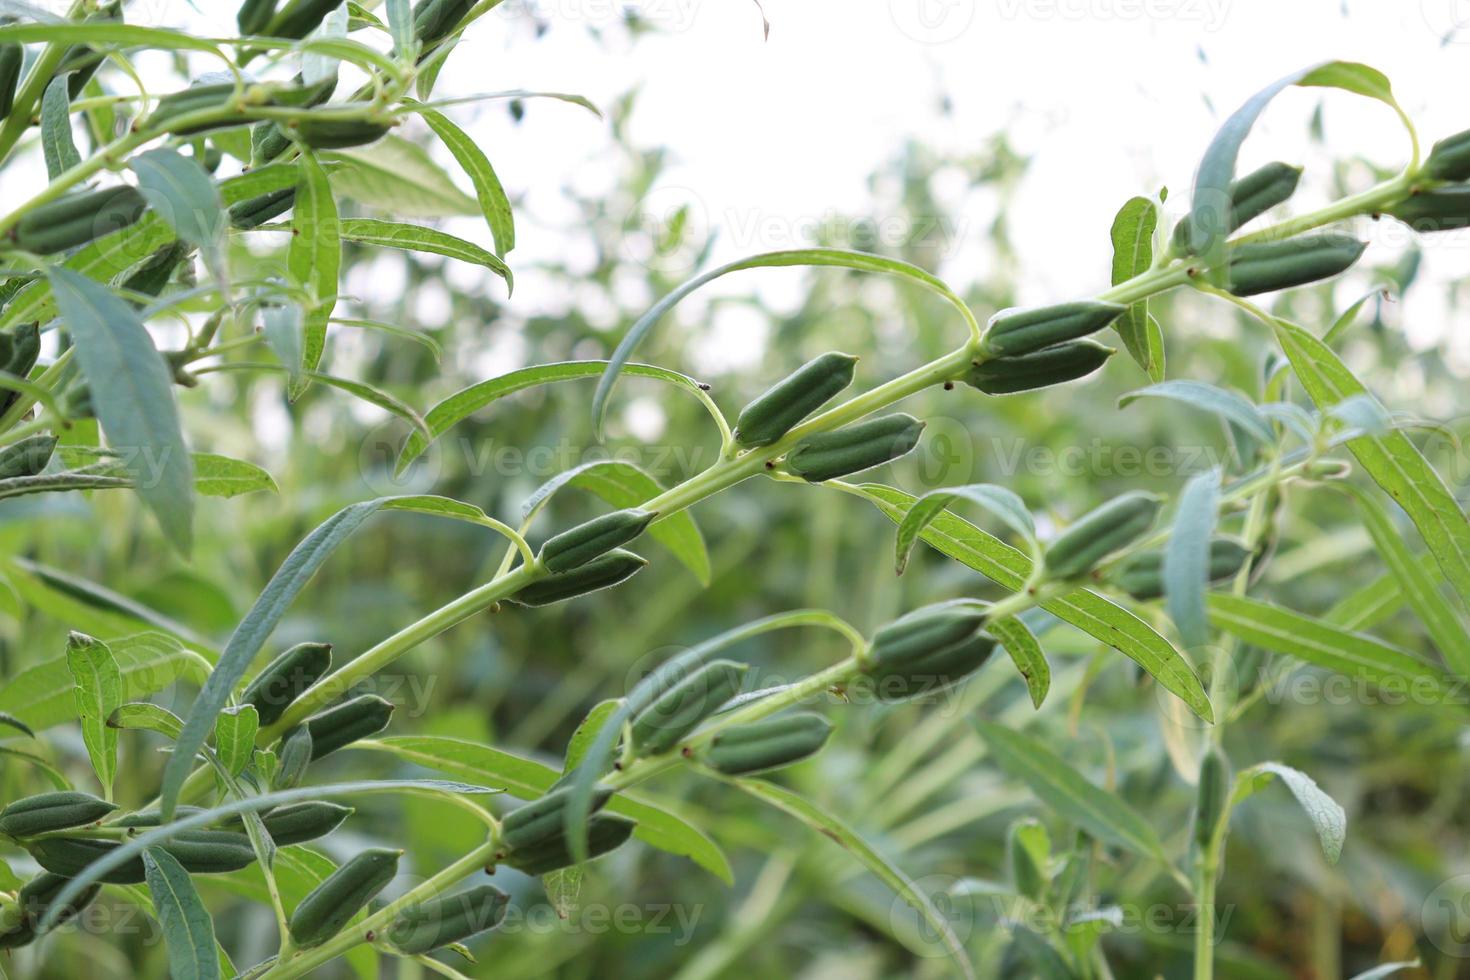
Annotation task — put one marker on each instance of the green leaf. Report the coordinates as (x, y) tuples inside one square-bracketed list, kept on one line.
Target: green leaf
[(1226, 404), (1187, 558), (188, 930), (833, 827), (56, 137), (98, 692), (400, 178), (43, 695), (146, 716), (1133, 253), (416, 238), (1086, 610), (234, 737), (400, 24), (178, 190), (467, 401), (1324, 645), (214, 475), (829, 257), (995, 500), (528, 780), (1416, 583), (494, 204), (260, 180), (314, 259), (582, 738), (1102, 814), (1393, 462), (107, 32), (298, 568), (1209, 207), (132, 389), (371, 394), (625, 485), (1025, 652), (1328, 819), (10, 721)]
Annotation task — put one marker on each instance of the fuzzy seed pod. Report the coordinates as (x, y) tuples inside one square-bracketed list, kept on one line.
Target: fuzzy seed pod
[(605, 832), (1442, 209), (542, 819), (576, 547), (11, 58), (299, 18), (337, 134), (77, 219), (33, 902), (329, 906), (680, 709), (927, 650), (27, 457), (1449, 159), (255, 16), (857, 447), (765, 745), (1250, 197), (195, 98), (1043, 368), (434, 20), (46, 812), (301, 822), (1214, 792), (345, 723), (256, 211), (198, 851), (599, 573), (451, 919), (1267, 266), (1012, 333), (282, 680), (294, 756), (1100, 532), (1142, 576), (792, 399)]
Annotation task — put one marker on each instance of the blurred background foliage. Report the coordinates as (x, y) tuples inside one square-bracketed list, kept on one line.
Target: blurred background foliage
[(914, 778)]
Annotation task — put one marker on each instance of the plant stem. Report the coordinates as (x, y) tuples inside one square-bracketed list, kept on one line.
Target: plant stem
[(1204, 888)]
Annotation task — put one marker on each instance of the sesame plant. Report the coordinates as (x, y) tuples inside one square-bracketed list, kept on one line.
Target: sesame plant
[(143, 240)]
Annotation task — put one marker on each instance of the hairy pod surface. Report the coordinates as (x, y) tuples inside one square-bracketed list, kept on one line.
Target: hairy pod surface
[(1249, 197), (577, 546), (434, 20), (78, 218), (282, 680), (1054, 365), (543, 819), (295, 756), (926, 675), (1142, 575), (1214, 792), (21, 349), (329, 906), (1449, 159), (11, 58), (195, 98), (337, 134), (605, 832), (602, 572), (1011, 333), (197, 851), (345, 723), (52, 811), (1442, 209), (450, 919), (301, 822), (854, 448), (928, 650), (1267, 266), (799, 394), (152, 817), (299, 18), (256, 211), (1100, 532), (27, 457), (770, 744), (254, 16), (680, 709), (154, 272), (34, 901)]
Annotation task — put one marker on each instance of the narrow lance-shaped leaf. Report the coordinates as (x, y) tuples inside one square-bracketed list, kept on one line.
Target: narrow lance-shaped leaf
[(132, 390), (234, 737), (1187, 558), (996, 500), (1328, 818), (1133, 253), (1020, 644), (188, 930), (59, 147), (180, 192), (98, 683), (1226, 404), (494, 203), (314, 259)]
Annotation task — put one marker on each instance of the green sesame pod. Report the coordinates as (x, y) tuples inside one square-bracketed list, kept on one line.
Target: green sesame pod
[(198, 851), (861, 446), (924, 631), (935, 671), (345, 723), (605, 832), (793, 398), (337, 134), (27, 457), (256, 211), (295, 756), (602, 572), (543, 818), (1100, 532), (77, 219), (301, 822), (1250, 197), (282, 680), (451, 919), (300, 17), (329, 906), (1027, 879), (153, 817), (195, 98), (1449, 159), (52, 811), (1267, 266), (1142, 576), (769, 744), (34, 901), (434, 20), (154, 272), (68, 856), (1214, 792), (11, 58), (1011, 333), (268, 139), (24, 346), (255, 16), (211, 851), (1054, 365), (576, 547), (1444, 209), (680, 709)]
